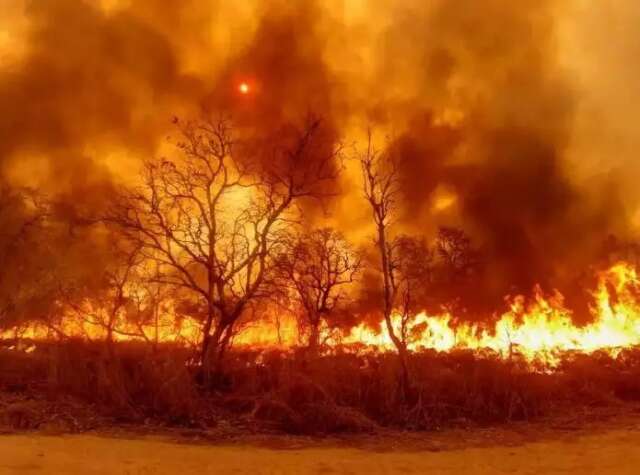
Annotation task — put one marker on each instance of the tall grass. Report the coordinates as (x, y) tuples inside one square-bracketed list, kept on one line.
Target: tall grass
[(292, 392)]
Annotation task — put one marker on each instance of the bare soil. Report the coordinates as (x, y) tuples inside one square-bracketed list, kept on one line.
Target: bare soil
[(604, 443)]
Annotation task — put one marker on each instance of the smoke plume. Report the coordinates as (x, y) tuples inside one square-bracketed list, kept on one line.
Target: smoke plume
[(500, 119)]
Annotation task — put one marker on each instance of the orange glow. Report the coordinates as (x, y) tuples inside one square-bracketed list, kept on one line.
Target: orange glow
[(540, 330), (244, 88)]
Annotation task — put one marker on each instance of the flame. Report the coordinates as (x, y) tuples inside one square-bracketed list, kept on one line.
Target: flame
[(541, 329)]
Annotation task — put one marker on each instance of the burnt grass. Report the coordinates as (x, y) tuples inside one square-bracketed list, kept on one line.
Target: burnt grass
[(75, 386)]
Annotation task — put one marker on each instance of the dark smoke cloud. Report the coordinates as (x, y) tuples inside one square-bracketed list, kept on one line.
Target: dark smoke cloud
[(89, 79), (285, 68), (495, 63), (290, 86), (473, 94)]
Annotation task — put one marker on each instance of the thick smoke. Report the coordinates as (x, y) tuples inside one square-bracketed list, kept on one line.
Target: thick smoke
[(290, 86), (88, 82), (492, 120), (283, 65), (495, 127)]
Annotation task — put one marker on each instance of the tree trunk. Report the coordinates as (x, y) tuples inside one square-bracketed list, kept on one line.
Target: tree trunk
[(209, 352), (314, 337), (213, 352), (206, 336), (223, 345), (156, 322), (389, 297), (109, 341)]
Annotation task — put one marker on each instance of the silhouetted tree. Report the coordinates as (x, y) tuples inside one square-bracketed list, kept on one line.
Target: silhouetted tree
[(211, 221), (316, 268), (458, 270), (412, 268), (381, 186), (107, 305), (454, 248), (27, 283)]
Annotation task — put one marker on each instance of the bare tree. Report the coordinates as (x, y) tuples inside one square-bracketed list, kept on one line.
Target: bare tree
[(413, 263), (26, 282), (210, 219), (148, 304), (316, 268), (381, 186), (459, 269), (454, 249), (108, 307)]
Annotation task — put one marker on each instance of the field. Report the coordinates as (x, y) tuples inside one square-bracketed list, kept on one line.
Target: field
[(77, 386), (65, 405)]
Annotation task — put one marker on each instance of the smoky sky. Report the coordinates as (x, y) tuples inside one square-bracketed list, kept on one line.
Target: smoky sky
[(504, 157), (479, 98)]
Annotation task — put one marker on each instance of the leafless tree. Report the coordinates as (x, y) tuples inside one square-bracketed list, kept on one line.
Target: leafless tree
[(413, 266), (210, 219), (381, 185), (26, 283), (316, 268), (455, 250), (108, 307), (148, 305)]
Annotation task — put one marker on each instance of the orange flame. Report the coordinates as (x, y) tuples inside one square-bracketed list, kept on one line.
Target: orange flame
[(540, 330)]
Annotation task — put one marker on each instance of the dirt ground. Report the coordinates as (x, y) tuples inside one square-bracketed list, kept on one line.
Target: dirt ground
[(590, 449)]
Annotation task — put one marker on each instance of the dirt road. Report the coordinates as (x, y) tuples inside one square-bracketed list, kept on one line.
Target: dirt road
[(614, 452)]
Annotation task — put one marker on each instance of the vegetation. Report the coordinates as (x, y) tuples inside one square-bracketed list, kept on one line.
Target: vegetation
[(222, 233), (290, 392)]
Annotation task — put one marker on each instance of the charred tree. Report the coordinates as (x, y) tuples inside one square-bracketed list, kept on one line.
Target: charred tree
[(211, 218), (315, 269), (380, 180)]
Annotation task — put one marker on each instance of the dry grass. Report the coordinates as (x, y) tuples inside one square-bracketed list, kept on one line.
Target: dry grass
[(292, 393)]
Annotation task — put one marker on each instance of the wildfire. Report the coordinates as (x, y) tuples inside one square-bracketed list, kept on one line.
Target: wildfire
[(540, 329)]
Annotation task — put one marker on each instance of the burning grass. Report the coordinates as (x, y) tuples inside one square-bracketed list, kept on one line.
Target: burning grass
[(536, 361), (344, 392), (540, 329)]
